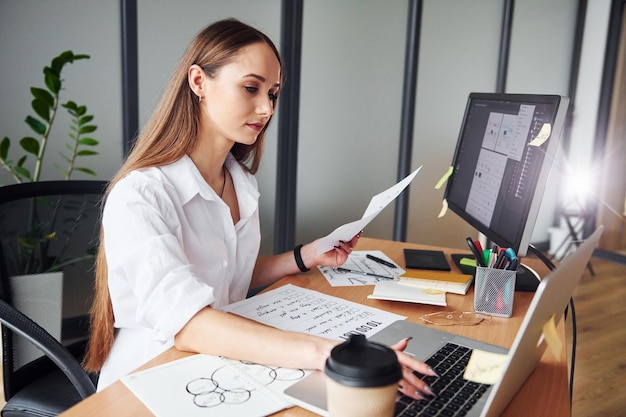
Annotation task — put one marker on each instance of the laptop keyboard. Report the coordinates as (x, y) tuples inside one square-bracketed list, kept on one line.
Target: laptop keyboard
[(455, 395)]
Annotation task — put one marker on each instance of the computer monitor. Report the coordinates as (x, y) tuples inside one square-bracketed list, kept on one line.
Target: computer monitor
[(503, 156)]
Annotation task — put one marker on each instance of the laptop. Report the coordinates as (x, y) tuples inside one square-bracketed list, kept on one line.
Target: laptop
[(551, 298)]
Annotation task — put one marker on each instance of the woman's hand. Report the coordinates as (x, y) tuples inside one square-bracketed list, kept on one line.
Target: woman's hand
[(334, 257), (410, 384)]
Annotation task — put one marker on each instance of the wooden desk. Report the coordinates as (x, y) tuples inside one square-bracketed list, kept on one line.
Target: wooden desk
[(545, 393)]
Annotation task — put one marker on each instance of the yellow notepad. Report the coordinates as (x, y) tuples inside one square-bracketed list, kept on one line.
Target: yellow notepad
[(444, 281)]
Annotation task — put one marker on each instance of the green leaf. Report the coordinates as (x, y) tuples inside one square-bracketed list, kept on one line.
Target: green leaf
[(59, 62), (86, 152), (85, 170), (30, 145), (53, 81), (87, 129), (88, 142), (23, 172), (21, 161), (70, 105), (36, 125), (85, 119), (42, 94), (41, 108), (66, 57), (4, 148)]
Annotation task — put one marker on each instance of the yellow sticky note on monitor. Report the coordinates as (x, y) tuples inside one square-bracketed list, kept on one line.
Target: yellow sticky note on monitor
[(542, 136), (552, 337), (485, 367), (444, 178), (444, 208)]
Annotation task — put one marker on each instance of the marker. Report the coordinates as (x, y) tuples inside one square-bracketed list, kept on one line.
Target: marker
[(478, 246), (486, 257), (493, 256), (510, 253), (513, 264), (477, 253), (369, 274), (380, 261)]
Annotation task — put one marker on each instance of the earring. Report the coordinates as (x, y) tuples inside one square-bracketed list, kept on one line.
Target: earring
[(199, 99)]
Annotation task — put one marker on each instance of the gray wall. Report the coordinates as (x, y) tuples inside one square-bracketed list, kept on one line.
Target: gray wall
[(352, 68), (32, 33)]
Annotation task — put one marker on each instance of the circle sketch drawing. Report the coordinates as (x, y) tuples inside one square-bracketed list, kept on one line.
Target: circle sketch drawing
[(219, 388), (267, 375)]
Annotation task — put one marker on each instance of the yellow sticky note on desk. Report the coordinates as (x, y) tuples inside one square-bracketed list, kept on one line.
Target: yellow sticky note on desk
[(552, 337), (485, 367)]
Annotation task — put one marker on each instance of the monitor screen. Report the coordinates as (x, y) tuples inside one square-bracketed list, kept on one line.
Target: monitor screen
[(501, 163)]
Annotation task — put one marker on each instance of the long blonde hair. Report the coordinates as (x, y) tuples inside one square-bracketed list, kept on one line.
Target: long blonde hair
[(170, 134)]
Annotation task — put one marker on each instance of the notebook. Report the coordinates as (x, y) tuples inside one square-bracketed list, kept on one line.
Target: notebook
[(426, 259), (550, 300)]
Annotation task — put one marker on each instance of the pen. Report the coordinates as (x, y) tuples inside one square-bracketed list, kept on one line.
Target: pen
[(380, 261), (369, 274), (493, 257), (477, 254), (501, 260)]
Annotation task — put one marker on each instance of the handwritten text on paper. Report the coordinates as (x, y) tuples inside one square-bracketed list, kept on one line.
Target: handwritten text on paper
[(301, 310)]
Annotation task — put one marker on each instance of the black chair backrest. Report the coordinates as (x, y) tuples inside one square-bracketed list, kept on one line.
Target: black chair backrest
[(47, 226), (62, 358)]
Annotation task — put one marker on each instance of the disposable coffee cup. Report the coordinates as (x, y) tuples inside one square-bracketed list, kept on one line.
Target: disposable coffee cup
[(362, 379)]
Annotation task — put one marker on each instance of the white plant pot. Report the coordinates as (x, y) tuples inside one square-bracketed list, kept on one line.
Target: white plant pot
[(40, 297)]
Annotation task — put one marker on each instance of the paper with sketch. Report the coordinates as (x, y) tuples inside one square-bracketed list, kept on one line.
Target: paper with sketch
[(358, 261), (302, 310), (274, 378), (201, 385), (376, 205)]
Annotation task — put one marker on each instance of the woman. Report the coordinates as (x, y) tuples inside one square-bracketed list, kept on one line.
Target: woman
[(180, 228)]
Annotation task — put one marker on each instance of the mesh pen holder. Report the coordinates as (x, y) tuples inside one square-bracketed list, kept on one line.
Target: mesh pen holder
[(494, 290)]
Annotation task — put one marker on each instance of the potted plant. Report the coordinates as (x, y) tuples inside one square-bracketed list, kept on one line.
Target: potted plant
[(45, 104), (28, 252)]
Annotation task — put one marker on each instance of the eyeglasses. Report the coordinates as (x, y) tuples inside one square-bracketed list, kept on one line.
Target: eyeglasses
[(455, 318)]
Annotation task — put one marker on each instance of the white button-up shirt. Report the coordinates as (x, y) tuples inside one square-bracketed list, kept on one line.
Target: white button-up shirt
[(171, 250)]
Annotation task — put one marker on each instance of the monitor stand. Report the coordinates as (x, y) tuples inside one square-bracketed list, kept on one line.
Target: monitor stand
[(526, 280)]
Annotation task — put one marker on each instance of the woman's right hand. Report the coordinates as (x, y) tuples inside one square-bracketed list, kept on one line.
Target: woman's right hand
[(410, 384)]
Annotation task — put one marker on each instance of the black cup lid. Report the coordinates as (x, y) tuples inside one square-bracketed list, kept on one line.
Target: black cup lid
[(361, 363)]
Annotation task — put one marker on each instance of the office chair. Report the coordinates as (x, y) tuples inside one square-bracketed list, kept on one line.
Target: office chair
[(48, 227)]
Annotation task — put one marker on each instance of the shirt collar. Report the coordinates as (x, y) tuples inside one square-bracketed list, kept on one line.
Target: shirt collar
[(187, 180)]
